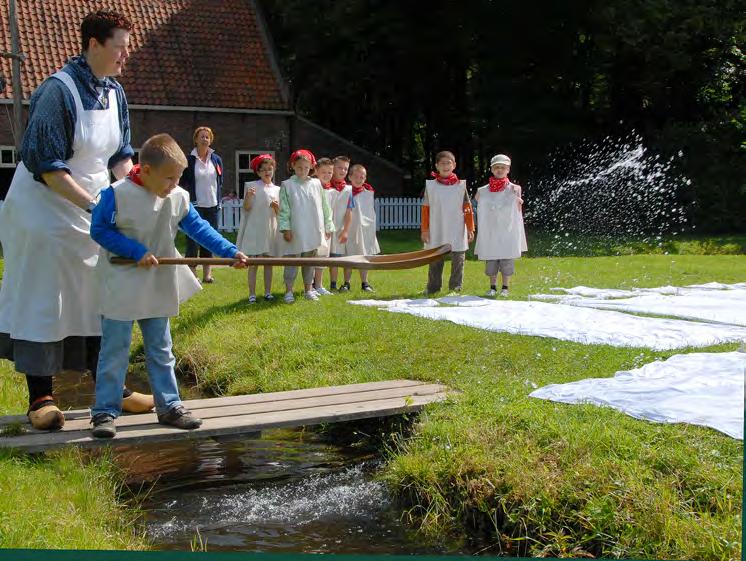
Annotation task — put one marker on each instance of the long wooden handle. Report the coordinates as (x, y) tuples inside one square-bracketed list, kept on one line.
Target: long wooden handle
[(191, 261), (391, 261)]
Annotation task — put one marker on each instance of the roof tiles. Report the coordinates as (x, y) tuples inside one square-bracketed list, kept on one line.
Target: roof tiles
[(183, 52)]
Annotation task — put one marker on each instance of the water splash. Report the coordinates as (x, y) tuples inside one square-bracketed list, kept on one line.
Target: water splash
[(345, 495), (613, 191)]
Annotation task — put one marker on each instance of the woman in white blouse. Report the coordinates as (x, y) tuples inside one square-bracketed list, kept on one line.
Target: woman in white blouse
[(203, 179)]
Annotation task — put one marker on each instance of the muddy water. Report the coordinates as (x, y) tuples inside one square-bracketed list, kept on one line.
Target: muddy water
[(283, 491)]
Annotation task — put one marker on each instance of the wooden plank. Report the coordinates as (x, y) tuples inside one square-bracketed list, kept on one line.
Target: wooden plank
[(266, 407), (228, 425), (253, 398)]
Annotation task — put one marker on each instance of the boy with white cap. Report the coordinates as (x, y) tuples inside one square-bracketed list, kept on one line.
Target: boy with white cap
[(500, 234)]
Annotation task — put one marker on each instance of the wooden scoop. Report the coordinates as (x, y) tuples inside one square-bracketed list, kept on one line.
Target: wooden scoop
[(392, 261)]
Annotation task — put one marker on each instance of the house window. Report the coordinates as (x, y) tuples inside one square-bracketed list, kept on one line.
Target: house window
[(8, 158), (244, 172)]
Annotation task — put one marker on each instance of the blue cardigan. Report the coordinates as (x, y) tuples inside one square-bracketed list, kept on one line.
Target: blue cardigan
[(187, 178)]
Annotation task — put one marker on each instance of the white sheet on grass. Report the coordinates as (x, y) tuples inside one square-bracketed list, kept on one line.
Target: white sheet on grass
[(699, 388), (569, 323), (697, 289), (718, 303)]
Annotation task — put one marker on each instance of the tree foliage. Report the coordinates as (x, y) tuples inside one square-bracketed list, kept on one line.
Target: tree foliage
[(406, 79)]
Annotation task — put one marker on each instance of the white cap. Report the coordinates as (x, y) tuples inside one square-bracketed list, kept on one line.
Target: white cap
[(500, 159)]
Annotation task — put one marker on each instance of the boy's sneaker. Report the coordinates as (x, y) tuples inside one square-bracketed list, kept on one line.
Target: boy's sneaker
[(179, 417), (491, 293), (321, 291), (504, 293), (367, 288), (252, 299), (333, 286), (345, 287), (103, 426), (289, 298), (311, 295), (269, 298)]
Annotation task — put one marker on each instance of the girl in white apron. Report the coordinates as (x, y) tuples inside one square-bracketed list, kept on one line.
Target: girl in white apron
[(305, 220), (257, 232), (49, 315), (501, 237)]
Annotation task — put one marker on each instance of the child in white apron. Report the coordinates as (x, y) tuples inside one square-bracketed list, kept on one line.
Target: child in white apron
[(362, 239), (342, 202), (323, 172), (257, 232), (137, 218), (501, 237), (447, 218), (305, 220)]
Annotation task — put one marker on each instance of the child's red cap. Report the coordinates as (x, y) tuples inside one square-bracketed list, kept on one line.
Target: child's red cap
[(303, 154)]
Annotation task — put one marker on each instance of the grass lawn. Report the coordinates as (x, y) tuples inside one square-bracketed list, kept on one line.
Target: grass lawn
[(529, 476)]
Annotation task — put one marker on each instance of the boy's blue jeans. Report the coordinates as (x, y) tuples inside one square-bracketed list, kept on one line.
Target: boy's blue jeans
[(113, 360)]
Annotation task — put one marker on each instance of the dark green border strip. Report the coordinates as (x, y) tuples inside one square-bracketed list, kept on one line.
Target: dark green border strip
[(98, 555)]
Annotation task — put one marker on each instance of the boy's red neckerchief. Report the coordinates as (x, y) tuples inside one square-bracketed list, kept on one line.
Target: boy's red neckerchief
[(134, 175), (364, 187), (497, 185), (450, 180), (327, 186), (338, 184)]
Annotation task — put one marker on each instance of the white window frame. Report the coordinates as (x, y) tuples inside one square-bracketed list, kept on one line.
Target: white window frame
[(251, 154), (12, 149)]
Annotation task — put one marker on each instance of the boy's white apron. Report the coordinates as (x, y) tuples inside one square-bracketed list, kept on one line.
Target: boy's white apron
[(323, 249), (338, 201), (500, 232), (447, 215), (257, 232), (362, 240), (129, 292), (306, 215), (49, 289)]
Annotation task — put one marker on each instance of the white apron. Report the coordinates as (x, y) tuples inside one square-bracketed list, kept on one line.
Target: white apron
[(323, 249), (500, 232), (447, 225), (257, 232), (338, 203), (129, 292), (49, 289), (306, 215), (362, 240)]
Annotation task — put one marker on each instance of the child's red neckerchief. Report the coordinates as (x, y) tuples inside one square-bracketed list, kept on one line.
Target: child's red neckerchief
[(327, 186), (497, 185), (338, 184), (450, 180), (364, 187), (134, 175)]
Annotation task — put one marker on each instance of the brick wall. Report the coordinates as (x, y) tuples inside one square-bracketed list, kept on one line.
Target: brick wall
[(250, 132), (386, 178)]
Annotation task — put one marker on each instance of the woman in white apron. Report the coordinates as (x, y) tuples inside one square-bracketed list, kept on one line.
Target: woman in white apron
[(78, 129)]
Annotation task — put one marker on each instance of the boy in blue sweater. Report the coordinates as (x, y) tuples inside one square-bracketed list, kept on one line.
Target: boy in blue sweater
[(137, 218)]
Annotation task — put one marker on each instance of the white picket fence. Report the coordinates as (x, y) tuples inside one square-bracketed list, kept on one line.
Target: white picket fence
[(392, 213)]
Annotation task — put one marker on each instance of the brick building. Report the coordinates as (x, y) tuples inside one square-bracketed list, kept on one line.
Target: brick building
[(192, 62)]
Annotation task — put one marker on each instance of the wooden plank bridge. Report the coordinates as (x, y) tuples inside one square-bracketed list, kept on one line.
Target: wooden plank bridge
[(235, 415)]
